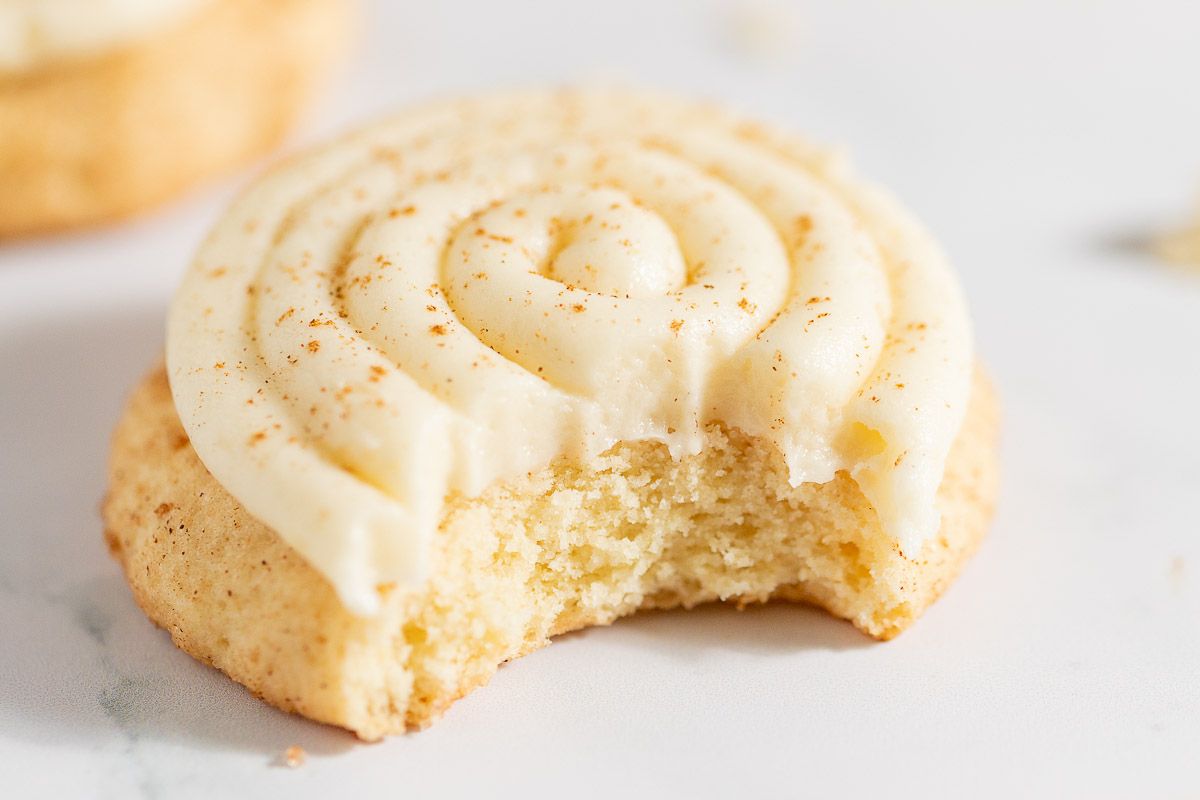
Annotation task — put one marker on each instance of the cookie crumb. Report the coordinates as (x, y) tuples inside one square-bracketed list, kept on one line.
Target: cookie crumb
[(1177, 572), (1181, 246), (763, 31), (294, 756)]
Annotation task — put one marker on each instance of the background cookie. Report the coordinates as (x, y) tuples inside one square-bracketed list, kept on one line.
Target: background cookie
[(103, 136)]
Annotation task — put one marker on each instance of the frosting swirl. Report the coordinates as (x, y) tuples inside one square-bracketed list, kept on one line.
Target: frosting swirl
[(463, 293)]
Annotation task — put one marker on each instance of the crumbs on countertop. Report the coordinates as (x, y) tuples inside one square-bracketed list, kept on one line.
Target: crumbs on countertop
[(1182, 245), (762, 31), (294, 756), (1177, 572)]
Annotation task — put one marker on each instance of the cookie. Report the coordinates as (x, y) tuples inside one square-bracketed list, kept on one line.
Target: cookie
[(505, 367)]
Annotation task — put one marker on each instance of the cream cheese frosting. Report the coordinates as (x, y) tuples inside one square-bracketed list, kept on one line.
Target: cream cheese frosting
[(37, 32), (463, 293)]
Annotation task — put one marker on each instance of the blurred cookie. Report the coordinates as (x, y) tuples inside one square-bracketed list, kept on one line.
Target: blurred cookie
[(109, 108)]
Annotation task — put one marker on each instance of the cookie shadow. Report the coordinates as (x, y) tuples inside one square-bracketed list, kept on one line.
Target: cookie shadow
[(80, 661), (1132, 242), (774, 627)]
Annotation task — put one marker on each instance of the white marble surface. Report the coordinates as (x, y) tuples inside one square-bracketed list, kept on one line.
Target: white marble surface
[(1041, 141)]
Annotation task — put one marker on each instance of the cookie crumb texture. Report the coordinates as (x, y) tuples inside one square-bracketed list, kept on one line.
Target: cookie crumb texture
[(99, 138), (558, 550)]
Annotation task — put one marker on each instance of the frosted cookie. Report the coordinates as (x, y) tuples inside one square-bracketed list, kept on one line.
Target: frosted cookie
[(501, 368), (110, 107)]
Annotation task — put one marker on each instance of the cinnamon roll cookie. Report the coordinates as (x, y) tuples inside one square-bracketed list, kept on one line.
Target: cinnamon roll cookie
[(504, 367), (109, 107)]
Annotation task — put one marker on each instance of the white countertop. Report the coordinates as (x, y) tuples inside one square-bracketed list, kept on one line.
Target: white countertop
[(1040, 141)]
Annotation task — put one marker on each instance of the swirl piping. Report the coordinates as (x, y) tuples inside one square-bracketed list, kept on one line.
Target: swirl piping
[(466, 292)]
